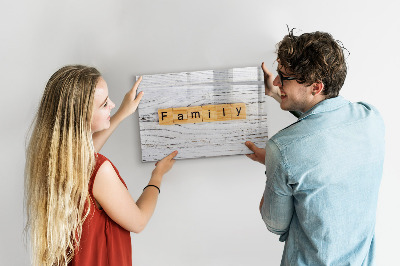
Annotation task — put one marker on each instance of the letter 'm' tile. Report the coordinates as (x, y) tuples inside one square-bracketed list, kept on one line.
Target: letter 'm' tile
[(223, 112), (180, 115), (165, 116), (238, 110), (209, 113), (194, 114)]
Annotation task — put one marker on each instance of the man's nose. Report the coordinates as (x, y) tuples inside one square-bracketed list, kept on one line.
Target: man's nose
[(277, 81)]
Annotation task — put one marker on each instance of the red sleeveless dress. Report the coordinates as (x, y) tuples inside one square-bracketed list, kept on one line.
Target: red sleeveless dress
[(103, 241)]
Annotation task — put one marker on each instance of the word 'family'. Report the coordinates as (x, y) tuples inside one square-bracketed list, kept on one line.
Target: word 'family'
[(198, 114)]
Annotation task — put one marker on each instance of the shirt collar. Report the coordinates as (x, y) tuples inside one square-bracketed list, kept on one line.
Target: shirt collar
[(325, 106)]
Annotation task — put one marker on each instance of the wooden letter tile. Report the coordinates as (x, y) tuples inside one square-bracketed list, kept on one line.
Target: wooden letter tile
[(223, 112), (238, 110), (180, 115), (165, 116), (194, 114), (209, 113)]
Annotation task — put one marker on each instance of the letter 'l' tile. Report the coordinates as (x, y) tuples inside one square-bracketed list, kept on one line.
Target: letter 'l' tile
[(238, 110), (224, 112), (165, 116)]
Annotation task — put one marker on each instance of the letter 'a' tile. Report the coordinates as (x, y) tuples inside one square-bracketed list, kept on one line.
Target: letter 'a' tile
[(165, 116), (194, 114), (180, 115), (209, 113), (223, 112), (238, 110)]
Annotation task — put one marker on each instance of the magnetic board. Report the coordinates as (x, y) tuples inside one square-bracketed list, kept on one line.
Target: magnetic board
[(199, 88)]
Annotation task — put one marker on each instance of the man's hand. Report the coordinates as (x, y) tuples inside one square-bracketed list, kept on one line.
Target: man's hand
[(270, 89), (258, 155)]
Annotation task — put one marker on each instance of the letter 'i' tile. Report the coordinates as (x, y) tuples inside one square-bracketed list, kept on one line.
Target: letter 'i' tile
[(194, 114), (223, 112), (209, 113), (180, 115), (165, 116), (238, 110)]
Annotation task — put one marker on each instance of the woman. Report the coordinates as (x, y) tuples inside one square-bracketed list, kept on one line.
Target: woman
[(78, 207)]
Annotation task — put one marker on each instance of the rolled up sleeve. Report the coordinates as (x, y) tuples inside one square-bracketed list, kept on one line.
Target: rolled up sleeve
[(277, 209)]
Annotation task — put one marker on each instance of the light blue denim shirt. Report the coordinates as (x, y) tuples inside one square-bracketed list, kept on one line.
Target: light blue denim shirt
[(323, 176)]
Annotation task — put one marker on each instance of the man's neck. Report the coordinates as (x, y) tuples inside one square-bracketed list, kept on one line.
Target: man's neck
[(316, 100)]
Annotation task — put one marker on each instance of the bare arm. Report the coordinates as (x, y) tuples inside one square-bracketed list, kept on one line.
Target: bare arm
[(116, 201), (128, 107)]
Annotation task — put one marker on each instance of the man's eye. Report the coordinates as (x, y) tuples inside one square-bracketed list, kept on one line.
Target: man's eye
[(105, 104)]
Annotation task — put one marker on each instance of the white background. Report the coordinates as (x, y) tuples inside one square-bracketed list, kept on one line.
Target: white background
[(208, 208)]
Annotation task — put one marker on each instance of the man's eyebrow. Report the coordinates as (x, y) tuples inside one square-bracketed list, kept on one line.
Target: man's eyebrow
[(283, 74)]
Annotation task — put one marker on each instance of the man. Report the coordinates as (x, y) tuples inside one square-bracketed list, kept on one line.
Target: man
[(323, 171)]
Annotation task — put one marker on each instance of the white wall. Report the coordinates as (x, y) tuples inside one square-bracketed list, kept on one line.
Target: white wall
[(208, 208)]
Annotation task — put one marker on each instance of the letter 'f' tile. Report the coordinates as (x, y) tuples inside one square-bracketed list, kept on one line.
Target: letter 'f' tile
[(165, 116)]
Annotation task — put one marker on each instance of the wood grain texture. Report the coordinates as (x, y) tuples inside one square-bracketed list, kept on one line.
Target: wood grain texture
[(199, 88)]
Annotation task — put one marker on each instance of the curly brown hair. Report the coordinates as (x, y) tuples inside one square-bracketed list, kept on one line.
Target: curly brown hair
[(314, 57)]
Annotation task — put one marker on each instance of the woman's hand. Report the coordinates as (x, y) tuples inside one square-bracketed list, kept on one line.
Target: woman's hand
[(131, 101), (164, 165), (128, 107), (270, 89)]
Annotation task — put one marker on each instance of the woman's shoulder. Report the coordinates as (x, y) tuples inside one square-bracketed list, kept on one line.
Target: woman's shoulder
[(100, 158), (105, 167), (99, 161), (102, 164)]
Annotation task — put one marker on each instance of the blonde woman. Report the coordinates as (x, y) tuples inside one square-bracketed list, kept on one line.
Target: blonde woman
[(78, 207)]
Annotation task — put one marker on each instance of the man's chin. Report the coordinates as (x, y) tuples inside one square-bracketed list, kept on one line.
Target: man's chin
[(285, 108)]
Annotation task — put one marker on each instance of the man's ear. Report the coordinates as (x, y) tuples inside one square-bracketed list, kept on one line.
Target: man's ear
[(317, 88)]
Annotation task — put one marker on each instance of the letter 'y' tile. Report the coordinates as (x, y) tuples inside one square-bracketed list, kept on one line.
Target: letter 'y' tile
[(238, 110)]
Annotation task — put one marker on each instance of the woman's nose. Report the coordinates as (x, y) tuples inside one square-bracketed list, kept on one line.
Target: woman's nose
[(112, 105)]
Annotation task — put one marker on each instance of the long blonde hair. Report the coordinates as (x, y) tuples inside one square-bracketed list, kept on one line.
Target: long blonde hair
[(59, 161)]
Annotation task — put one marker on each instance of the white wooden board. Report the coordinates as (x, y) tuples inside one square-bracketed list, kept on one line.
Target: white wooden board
[(207, 139)]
